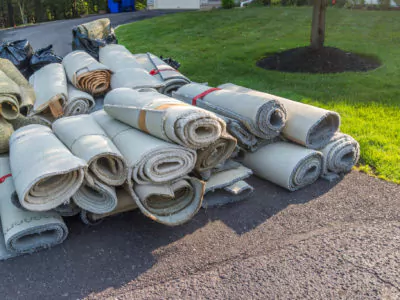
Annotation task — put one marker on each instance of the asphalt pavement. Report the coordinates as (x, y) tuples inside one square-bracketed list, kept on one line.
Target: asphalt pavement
[(337, 240)]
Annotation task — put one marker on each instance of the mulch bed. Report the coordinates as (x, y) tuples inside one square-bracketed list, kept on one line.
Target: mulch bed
[(325, 60)]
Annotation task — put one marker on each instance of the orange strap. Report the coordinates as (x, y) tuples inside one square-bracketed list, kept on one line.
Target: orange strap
[(2, 179), (203, 94)]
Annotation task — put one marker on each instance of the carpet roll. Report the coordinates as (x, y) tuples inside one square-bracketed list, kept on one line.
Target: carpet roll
[(25, 231), (164, 117), (50, 85), (6, 130), (287, 165), (22, 121), (118, 57), (156, 67), (10, 97), (28, 96), (262, 116), (78, 102), (306, 125), (97, 29), (45, 172), (339, 156), (69, 209), (87, 74), (170, 204), (150, 159)]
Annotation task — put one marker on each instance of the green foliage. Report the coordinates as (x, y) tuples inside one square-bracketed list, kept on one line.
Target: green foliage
[(228, 4), (140, 4), (368, 102)]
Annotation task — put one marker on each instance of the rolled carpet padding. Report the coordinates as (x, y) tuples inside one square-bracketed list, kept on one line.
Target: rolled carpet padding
[(127, 72), (262, 116), (227, 185), (339, 156), (69, 209), (6, 130), (164, 117), (150, 160), (25, 231), (287, 165), (28, 96), (22, 121), (45, 172), (156, 67), (78, 102), (10, 97), (50, 85), (306, 125), (170, 204), (87, 74)]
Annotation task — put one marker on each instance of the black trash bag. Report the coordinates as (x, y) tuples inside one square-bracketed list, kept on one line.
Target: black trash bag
[(19, 53), (170, 61), (43, 57), (91, 46)]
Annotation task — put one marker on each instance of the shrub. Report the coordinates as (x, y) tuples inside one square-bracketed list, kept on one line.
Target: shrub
[(228, 4)]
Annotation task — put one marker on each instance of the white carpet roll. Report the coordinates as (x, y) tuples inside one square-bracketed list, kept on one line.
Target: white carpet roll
[(45, 172), (306, 125), (287, 165), (164, 117), (78, 102), (170, 204), (340, 155), (25, 231), (150, 159), (262, 116)]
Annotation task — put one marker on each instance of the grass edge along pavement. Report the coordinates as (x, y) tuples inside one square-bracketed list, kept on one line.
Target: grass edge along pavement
[(222, 46)]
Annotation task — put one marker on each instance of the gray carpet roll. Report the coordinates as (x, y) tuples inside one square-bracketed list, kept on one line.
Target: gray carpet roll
[(262, 116), (45, 172), (10, 97), (287, 165), (306, 125), (164, 117), (78, 102), (69, 209), (25, 231), (6, 130), (150, 159)]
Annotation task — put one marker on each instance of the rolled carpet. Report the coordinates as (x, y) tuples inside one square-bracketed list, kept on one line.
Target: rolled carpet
[(87, 74), (6, 130), (287, 165), (228, 185), (10, 97), (170, 204), (22, 121), (97, 29), (25, 231), (28, 96), (164, 117), (306, 125), (78, 102), (127, 72), (45, 172), (263, 117), (69, 209), (156, 67), (339, 156), (50, 85), (150, 160)]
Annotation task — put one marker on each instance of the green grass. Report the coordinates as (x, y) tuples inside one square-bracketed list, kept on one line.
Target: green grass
[(223, 46)]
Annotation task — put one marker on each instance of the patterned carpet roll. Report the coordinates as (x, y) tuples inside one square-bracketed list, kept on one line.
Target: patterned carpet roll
[(10, 97), (6, 130), (78, 102)]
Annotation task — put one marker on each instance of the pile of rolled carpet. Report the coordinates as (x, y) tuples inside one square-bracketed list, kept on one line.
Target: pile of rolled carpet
[(155, 142)]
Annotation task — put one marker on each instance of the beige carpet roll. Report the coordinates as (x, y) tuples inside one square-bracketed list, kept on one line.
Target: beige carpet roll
[(150, 159), (215, 154), (87, 74), (10, 97), (339, 156), (164, 117), (6, 130), (97, 29), (171, 204), (287, 165), (28, 96), (163, 72), (262, 116), (78, 102), (306, 125), (45, 172), (22, 121), (50, 85), (24, 231)]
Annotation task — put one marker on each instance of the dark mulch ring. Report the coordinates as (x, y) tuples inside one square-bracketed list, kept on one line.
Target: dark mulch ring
[(326, 60)]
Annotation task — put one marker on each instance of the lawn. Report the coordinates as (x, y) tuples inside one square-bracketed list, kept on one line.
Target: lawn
[(223, 46)]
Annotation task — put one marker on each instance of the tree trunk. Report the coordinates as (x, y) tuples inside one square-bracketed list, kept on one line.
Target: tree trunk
[(22, 11), (318, 24)]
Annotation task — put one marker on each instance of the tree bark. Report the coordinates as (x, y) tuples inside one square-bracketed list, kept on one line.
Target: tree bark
[(318, 24), (21, 6)]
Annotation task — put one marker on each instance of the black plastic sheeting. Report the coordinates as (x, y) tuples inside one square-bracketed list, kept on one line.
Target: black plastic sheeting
[(19, 53), (43, 57)]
